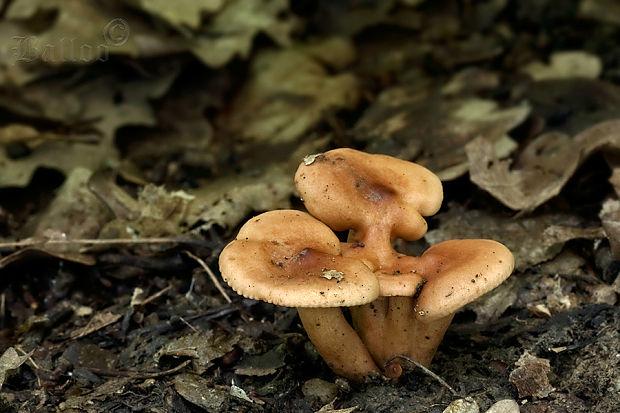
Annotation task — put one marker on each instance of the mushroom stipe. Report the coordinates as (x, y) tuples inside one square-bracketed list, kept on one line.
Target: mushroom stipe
[(400, 305)]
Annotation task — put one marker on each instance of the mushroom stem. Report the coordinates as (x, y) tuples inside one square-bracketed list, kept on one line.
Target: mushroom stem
[(377, 245), (337, 342), (388, 327)]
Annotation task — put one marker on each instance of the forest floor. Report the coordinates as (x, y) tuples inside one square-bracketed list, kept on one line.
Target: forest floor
[(136, 138)]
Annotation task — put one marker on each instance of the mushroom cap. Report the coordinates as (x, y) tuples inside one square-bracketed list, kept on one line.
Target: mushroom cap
[(349, 189), (289, 258), (402, 278), (458, 272)]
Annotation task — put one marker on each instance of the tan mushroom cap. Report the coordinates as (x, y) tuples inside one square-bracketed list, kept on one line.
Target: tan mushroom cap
[(349, 189), (289, 258), (458, 272), (402, 278)]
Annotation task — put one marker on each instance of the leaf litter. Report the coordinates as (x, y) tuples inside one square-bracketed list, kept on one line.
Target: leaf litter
[(124, 174)]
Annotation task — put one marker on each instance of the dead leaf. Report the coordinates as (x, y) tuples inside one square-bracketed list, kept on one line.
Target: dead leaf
[(75, 213), (232, 30), (528, 238), (65, 40), (321, 390), (263, 364), (203, 348), (115, 385), (543, 168), (466, 405), (566, 64), (575, 104), (603, 10), (228, 200), (433, 128), (285, 96), (530, 377), (610, 217), (239, 393), (9, 361), (476, 48), (329, 408), (336, 52), (93, 103), (97, 322), (493, 304), (181, 12), (161, 213), (124, 206), (200, 392)]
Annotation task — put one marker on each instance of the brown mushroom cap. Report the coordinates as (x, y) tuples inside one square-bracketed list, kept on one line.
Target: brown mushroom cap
[(289, 258), (458, 272), (349, 189)]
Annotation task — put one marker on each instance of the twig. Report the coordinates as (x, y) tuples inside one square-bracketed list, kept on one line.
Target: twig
[(30, 242), (425, 370), (188, 324), (138, 374), (21, 350), (155, 296), (211, 275)]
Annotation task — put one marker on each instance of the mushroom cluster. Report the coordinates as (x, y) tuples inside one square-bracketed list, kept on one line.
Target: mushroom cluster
[(400, 305)]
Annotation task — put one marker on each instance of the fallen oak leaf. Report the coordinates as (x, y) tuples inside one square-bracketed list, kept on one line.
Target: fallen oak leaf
[(9, 361), (543, 168)]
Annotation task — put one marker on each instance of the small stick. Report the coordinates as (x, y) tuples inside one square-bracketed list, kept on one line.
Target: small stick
[(138, 374), (211, 275), (156, 295), (425, 370), (189, 325), (21, 350), (30, 242)]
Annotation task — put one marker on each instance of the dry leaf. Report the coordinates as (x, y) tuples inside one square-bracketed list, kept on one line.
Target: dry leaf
[(263, 364), (180, 12), (285, 96), (9, 361), (114, 385), (65, 40), (564, 65), (200, 392), (575, 104), (543, 168), (97, 322), (228, 200), (203, 348), (92, 103), (529, 239), (161, 213), (407, 122), (232, 30), (530, 377), (610, 217), (75, 212), (466, 405), (602, 10)]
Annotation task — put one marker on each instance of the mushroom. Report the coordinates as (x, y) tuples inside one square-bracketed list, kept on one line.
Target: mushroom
[(377, 197), (380, 198), (289, 258), (448, 276)]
